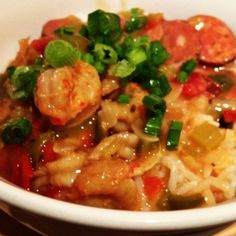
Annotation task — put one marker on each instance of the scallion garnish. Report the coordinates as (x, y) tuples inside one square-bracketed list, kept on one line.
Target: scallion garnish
[(105, 53), (186, 69), (137, 20), (16, 131), (158, 53), (124, 98), (173, 136), (189, 66), (10, 71), (153, 125), (183, 77), (136, 56), (103, 27), (65, 31), (23, 81), (60, 53), (84, 31), (100, 67), (155, 103), (122, 69), (88, 57)]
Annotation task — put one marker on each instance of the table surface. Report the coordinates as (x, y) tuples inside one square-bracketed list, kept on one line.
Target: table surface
[(10, 227)]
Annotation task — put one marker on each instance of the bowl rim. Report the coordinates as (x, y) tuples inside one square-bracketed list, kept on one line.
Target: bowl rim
[(116, 219)]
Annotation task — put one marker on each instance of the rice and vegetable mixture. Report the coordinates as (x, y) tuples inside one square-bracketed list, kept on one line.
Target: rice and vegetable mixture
[(126, 111)]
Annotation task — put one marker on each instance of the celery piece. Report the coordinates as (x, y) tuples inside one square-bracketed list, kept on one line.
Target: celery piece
[(207, 135)]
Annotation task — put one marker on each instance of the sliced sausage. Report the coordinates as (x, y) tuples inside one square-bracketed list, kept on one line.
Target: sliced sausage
[(154, 28), (181, 40), (218, 43)]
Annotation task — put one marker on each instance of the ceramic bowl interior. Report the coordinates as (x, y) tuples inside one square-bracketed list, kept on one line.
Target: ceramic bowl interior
[(25, 19)]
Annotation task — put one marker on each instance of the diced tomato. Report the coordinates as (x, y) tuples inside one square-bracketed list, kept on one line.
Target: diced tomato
[(229, 115), (153, 186), (196, 85), (40, 44), (48, 153), (20, 168)]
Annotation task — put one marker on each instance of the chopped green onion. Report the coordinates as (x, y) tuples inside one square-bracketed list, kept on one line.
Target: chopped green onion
[(189, 66), (153, 125), (104, 25), (16, 131), (105, 53), (156, 104), (151, 83), (122, 69), (164, 85), (137, 20), (158, 53), (88, 57), (143, 41), (10, 71), (39, 61), (60, 53), (100, 67), (84, 31), (65, 31), (137, 56), (130, 44), (173, 136), (124, 98), (182, 77), (186, 69), (157, 91), (23, 81)]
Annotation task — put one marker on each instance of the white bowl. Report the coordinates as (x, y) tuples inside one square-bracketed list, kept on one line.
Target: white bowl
[(25, 18)]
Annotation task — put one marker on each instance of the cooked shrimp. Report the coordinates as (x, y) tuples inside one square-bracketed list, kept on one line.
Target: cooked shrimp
[(127, 195), (122, 145), (63, 93), (109, 178), (101, 177), (112, 112), (61, 172)]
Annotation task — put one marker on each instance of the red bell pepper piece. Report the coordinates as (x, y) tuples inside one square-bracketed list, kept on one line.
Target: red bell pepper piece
[(229, 115), (20, 166), (152, 186), (196, 85), (48, 153)]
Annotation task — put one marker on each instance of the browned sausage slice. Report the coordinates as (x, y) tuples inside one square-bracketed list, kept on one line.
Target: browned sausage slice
[(154, 28), (181, 40), (218, 43)]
